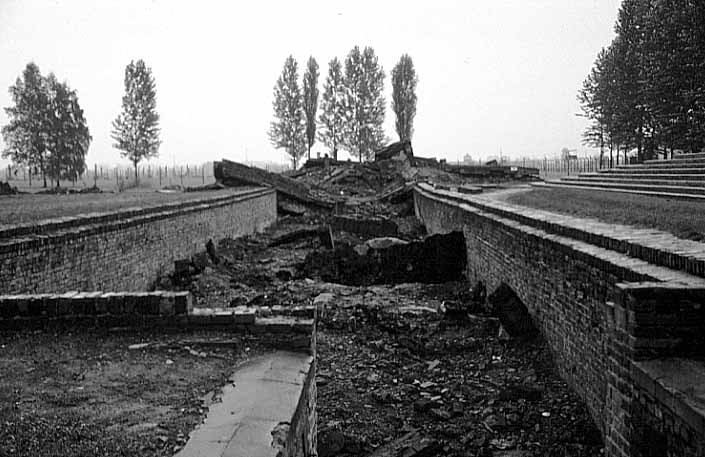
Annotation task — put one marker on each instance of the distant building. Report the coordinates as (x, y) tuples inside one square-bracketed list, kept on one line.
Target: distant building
[(569, 154), (467, 160)]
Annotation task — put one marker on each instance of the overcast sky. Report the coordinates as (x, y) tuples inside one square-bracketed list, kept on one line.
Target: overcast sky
[(492, 74)]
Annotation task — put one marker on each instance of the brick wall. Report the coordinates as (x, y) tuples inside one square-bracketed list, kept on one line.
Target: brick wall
[(302, 439), (578, 297), (124, 250)]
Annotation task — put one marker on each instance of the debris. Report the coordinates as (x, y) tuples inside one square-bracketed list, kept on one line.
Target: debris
[(324, 234), (400, 151), (385, 242), (7, 189), (365, 226), (331, 443), (236, 174), (134, 347), (512, 313), (413, 444), (210, 249)]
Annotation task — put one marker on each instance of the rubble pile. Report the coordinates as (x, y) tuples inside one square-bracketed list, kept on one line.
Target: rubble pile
[(413, 360), (7, 189), (410, 369)]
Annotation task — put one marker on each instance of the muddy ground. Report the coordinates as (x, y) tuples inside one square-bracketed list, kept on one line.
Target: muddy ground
[(393, 364), (88, 394)]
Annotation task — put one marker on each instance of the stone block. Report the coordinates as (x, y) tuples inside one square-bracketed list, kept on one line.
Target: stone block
[(167, 304), (183, 302), (8, 307), (242, 315)]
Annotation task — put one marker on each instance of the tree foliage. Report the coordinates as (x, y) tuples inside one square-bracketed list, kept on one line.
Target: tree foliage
[(310, 101), (68, 138), (365, 103), (136, 129), (287, 131), (404, 81), (646, 91), (333, 105), (47, 130)]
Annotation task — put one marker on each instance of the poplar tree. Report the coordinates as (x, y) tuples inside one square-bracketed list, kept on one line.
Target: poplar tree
[(365, 103), (287, 131), (333, 104), (136, 129), (404, 81), (310, 101)]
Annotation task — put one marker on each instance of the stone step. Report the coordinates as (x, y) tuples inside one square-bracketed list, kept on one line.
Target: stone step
[(699, 155), (684, 160), (626, 179), (661, 176), (618, 189), (649, 170), (641, 187), (664, 165)]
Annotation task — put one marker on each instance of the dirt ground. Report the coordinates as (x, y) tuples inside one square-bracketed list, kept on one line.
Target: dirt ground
[(87, 393)]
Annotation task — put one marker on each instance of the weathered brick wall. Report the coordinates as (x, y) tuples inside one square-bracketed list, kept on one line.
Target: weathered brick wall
[(569, 288), (123, 250), (302, 439)]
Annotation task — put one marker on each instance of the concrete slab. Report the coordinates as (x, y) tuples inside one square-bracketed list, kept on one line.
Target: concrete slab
[(678, 384), (264, 393)]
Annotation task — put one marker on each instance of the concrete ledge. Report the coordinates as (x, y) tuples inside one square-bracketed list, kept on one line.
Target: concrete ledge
[(650, 245), (267, 411), (19, 238), (72, 305), (678, 385), (57, 224)]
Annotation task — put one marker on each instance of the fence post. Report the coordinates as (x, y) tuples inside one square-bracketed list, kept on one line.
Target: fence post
[(181, 174), (203, 173), (95, 175), (160, 177)]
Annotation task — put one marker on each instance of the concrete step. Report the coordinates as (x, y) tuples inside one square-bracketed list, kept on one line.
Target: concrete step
[(699, 155), (664, 165), (684, 190), (620, 190), (656, 169), (647, 180), (648, 176)]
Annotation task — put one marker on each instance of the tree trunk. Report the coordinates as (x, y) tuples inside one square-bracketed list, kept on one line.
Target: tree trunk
[(44, 176)]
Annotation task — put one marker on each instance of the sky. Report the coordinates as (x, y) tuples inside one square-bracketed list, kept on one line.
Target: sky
[(493, 74)]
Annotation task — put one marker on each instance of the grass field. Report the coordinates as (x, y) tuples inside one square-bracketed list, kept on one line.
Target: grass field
[(23, 208), (683, 218)]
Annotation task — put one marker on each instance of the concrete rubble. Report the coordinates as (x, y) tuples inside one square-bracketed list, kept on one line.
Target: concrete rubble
[(411, 360)]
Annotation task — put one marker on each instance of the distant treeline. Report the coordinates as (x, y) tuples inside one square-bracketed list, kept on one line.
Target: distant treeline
[(646, 91)]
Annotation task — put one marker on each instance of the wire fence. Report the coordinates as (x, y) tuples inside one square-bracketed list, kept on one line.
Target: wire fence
[(561, 167), (118, 177)]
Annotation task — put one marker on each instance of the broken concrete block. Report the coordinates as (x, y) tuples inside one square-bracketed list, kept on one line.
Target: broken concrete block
[(244, 315), (512, 313), (385, 242)]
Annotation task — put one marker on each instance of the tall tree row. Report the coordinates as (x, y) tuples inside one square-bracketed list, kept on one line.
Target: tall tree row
[(47, 130), (352, 105), (646, 91)]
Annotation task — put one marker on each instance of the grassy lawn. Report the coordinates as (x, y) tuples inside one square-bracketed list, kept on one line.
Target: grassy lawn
[(23, 208), (89, 394), (683, 218)]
